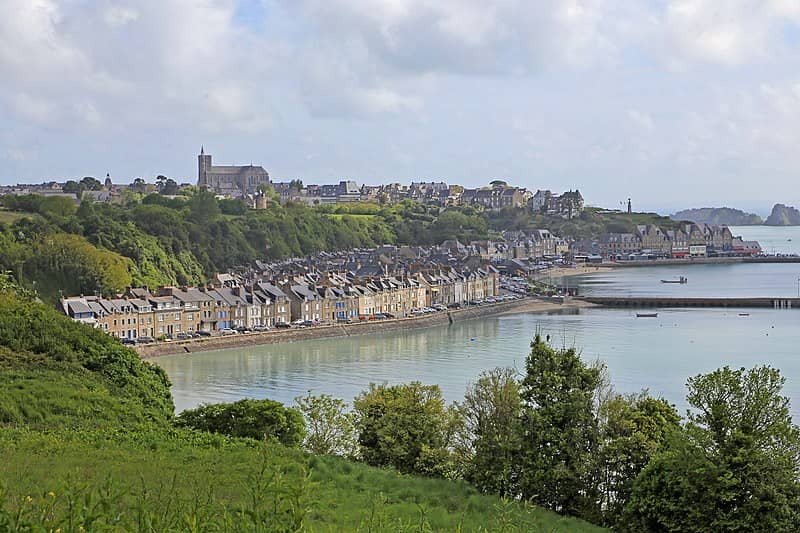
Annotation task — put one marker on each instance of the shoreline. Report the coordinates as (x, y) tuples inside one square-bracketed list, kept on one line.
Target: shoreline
[(526, 305)]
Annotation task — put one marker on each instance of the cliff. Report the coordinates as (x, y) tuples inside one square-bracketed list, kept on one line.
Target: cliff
[(719, 216), (783, 215)]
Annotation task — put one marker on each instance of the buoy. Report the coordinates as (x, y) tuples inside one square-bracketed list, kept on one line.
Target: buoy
[(473, 339)]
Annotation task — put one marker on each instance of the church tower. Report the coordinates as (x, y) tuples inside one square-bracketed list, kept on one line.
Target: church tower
[(203, 166)]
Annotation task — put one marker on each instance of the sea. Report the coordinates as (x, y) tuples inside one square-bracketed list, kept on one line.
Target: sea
[(656, 354)]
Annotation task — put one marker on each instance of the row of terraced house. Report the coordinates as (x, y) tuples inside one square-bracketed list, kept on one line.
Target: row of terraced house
[(231, 302)]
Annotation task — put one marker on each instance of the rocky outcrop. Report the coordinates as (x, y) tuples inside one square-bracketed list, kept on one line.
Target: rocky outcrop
[(718, 216), (783, 215)]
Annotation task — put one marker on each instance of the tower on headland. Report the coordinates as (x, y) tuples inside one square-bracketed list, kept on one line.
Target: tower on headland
[(629, 206), (235, 181)]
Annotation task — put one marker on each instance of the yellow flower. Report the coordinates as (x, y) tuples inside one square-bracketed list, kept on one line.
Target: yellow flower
[(51, 494)]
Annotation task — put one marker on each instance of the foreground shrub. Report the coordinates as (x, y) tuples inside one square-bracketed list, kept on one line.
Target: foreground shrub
[(255, 419)]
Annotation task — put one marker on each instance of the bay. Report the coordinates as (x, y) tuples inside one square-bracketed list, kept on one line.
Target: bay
[(654, 353), (773, 239)]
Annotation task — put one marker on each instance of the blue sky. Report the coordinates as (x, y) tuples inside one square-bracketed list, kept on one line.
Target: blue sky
[(675, 103)]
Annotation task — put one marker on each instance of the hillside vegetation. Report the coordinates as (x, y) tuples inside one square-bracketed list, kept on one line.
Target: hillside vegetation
[(53, 246), (89, 443)]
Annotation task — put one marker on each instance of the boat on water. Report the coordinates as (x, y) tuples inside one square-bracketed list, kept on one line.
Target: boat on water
[(744, 314), (680, 280), (646, 315)]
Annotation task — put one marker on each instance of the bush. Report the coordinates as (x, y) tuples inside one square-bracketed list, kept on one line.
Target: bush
[(255, 419)]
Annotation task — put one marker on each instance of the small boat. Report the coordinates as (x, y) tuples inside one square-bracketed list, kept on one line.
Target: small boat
[(680, 280), (646, 315), (744, 314)]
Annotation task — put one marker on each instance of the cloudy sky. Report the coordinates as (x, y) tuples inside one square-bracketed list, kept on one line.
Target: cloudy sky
[(675, 103)]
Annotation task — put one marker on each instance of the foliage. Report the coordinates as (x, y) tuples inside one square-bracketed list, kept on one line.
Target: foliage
[(560, 431), (734, 467), (255, 419), (633, 429), (330, 427), (72, 264), (490, 436), (406, 427)]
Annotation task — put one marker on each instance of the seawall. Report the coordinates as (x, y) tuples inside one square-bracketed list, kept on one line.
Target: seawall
[(205, 344)]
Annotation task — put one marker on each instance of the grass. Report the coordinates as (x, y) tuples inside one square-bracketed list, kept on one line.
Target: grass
[(167, 477), (9, 217), (88, 443)]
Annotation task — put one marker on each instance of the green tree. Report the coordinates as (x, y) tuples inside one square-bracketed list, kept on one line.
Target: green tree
[(490, 436), (203, 207), (560, 431), (91, 184), (330, 427), (734, 467), (59, 206), (406, 427), (633, 428), (255, 419), (296, 184)]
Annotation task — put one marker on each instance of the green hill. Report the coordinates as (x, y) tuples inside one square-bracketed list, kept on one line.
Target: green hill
[(88, 443)]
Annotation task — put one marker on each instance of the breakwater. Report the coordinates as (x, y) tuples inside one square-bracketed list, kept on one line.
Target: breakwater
[(655, 301), (204, 344)]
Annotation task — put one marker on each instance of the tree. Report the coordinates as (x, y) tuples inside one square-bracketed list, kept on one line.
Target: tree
[(72, 187), (296, 184), (255, 419), (734, 467), (168, 187), (559, 431), (203, 207), (139, 185), (404, 426), (91, 184), (330, 428), (489, 440), (633, 428)]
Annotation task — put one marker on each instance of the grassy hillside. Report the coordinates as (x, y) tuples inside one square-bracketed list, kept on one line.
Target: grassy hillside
[(87, 441)]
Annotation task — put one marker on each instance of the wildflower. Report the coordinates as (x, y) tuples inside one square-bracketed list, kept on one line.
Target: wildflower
[(28, 499), (51, 494)]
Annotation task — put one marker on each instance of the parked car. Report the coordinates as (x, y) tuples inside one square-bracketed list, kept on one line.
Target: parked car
[(283, 325), (183, 336), (202, 333), (243, 329), (454, 305), (380, 316), (145, 340), (227, 331), (128, 341), (260, 328), (440, 307)]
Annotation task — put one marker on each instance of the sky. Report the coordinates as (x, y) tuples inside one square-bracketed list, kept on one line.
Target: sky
[(673, 103)]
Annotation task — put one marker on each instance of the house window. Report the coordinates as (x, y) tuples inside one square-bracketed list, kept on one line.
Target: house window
[(177, 316), (189, 316), (161, 318)]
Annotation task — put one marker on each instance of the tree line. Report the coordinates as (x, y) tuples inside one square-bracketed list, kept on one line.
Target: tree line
[(559, 436)]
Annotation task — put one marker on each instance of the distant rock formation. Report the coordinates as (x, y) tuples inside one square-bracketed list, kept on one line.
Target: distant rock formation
[(783, 215), (718, 215)]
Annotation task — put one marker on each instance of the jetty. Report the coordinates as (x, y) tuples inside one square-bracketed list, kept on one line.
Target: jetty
[(658, 301)]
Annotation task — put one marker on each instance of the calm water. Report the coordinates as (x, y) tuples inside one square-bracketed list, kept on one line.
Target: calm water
[(774, 240), (736, 280), (658, 354)]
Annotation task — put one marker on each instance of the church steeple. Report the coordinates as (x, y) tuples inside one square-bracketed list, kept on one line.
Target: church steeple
[(202, 152)]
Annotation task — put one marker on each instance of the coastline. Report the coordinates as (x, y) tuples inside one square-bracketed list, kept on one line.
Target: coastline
[(526, 305)]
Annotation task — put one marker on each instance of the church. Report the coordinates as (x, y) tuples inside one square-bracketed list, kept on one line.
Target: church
[(234, 181)]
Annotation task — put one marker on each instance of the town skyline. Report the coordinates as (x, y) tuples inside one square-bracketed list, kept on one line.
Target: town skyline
[(644, 101)]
